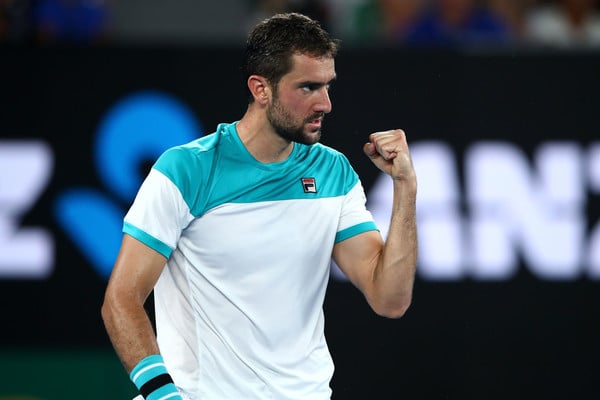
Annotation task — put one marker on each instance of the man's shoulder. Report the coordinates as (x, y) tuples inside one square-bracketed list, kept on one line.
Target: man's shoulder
[(193, 153)]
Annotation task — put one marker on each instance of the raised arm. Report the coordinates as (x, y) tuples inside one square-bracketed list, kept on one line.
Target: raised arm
[(384, 271)]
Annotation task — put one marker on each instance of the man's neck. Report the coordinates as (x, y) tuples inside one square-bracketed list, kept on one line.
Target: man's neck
[(259, 138)]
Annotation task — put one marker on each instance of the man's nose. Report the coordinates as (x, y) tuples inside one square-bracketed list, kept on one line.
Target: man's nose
[(324, 103)]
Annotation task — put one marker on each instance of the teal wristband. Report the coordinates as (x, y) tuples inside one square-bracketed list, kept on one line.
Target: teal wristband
[(153, 381)]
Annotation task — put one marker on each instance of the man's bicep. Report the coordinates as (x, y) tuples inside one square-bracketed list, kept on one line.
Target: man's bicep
[(358, 256), (136, 269)]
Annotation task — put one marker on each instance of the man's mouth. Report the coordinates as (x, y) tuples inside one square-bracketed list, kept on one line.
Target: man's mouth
[(315, 122)]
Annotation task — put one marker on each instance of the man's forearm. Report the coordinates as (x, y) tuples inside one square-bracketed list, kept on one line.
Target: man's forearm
[(395, 272), (134, 341), (130, 332)]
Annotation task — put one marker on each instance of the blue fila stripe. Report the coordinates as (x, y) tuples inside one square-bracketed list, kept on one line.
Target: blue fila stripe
[(147, 369), (153, 381), (355, 230), (147, 239)]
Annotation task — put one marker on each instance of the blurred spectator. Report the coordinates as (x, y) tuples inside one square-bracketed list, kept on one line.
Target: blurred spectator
[(71, 21), (15, 21), (565, 23), (455, 22), (316, 9), (513, 13), (384, 20)]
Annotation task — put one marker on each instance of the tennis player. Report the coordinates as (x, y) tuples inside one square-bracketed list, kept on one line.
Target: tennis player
[(234, 232)]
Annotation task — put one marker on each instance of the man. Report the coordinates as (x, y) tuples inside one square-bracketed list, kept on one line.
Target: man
[(235, 232)]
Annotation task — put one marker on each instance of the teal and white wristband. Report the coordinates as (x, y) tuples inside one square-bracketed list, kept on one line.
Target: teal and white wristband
[(153, 381)]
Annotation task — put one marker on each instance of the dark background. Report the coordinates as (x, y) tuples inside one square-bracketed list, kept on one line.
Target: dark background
[(520, 338)]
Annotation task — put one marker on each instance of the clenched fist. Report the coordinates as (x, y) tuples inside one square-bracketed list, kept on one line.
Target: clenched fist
[(388, 150)]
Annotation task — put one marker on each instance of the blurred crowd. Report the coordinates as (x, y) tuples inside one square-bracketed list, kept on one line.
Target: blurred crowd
[(54, 21), (549, 23), (445, 22)]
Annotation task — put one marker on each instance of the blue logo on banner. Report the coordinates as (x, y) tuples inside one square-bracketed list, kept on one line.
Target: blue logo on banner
[(135, 130)]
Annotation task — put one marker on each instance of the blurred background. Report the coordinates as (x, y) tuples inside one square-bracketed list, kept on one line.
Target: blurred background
[(500, 102)]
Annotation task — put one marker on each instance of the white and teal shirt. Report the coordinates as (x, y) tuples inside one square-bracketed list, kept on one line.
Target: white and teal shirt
[(239, 304)]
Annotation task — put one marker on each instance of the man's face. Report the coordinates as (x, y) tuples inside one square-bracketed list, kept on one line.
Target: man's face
[(301, 99)]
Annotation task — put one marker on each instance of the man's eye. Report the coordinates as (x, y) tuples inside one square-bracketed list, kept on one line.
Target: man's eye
[(315, 86)]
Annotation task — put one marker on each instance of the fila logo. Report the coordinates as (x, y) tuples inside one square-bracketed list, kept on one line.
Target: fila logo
[(309, 185)]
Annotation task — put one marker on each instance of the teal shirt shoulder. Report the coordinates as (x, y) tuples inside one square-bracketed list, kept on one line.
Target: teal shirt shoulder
[(218, 169)]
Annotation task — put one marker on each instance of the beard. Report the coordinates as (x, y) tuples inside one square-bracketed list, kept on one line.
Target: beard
[(286, 127)]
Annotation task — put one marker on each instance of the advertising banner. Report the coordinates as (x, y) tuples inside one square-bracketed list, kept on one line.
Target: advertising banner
[(506, 146)]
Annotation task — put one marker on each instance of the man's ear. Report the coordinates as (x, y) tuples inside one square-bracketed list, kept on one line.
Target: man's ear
[(260, 89)]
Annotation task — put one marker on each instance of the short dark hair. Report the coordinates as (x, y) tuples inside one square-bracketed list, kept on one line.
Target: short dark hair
[(273, 41)]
